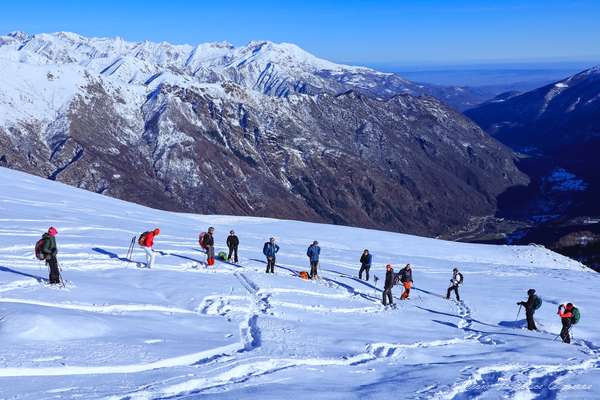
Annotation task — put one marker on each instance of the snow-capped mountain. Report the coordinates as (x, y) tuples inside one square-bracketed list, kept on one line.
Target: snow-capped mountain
[(180, 330), (562, 113), (272, 68), (192, 129)]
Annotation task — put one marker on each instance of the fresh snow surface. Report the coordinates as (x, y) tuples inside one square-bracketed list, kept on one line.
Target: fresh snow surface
[(182, 330)]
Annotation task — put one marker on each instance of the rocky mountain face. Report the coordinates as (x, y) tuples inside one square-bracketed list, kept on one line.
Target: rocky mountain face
[(557, 127), (265, 130)]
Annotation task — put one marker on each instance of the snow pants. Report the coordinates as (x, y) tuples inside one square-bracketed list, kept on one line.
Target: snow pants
[(406, 293), (210, 255), (313, 269), (150, 256), (387, 296), (54, 271), (233, 251), (564, 333), (365, 268), (271, 265), (530, 321), (455, 289)]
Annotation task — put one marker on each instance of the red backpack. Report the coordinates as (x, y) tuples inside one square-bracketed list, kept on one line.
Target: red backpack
[(39, 246), (201, 240), (142, 239)]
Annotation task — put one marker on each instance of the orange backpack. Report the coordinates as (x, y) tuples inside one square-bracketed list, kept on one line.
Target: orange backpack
[(304, 275)]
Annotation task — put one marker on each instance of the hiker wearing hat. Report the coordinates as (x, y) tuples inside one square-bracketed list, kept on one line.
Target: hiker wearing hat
[(365, 264), (49, 251), (208, 243), (407, 281), (533, 303), (270, 249), (566, 313), (147, 242), (232, 244), (313, 253), (388, 285), (455, 282)]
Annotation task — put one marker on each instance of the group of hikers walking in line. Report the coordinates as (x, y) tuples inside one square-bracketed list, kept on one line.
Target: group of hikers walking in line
[(46, 249)]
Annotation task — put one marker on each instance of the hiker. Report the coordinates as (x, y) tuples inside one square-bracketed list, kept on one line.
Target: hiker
[(49, 252), (533, 303), (208, 244), (569, 316), (455, 282), (147, 242), (313, 256), (365, 264), (405, 275), (389, 284), (232, 244), (270, 249)]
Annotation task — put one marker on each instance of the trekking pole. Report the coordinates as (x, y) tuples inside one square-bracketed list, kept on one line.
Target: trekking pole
[(130, 251), (518, 312), (62, 281)]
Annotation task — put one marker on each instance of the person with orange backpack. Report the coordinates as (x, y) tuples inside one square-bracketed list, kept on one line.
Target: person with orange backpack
[(405, 277), (146, 240), (46, 250)]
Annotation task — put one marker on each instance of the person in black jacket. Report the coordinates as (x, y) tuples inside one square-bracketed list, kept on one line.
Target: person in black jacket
[(365, 264), (209, 243), (530, 307), (49, 251), (232, 244), (388, 285)]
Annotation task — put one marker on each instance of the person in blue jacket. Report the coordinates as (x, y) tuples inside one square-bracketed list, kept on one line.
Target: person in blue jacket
[(313, 253), (270, 249), (365, 263)]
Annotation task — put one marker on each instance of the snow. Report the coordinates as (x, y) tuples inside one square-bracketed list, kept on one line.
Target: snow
[(182, 330), (561, 180)]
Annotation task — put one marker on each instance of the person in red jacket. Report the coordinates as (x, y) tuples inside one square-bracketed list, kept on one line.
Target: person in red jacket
[(148, 246), (565, 312)]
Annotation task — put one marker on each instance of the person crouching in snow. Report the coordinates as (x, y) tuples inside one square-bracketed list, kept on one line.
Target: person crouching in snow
[(147, 242), (406, 280)]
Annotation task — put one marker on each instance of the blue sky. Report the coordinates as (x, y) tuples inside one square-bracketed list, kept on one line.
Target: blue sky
[(360, 31)]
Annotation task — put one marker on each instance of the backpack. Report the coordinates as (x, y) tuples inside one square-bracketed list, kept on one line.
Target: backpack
[(537, 303), (142, 239), (303, 275), (576, 316), (462, 278), (39, 245), (222, 256), (201, 240)]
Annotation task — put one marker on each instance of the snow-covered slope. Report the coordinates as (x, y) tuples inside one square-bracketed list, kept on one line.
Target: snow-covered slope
[(180, 330)]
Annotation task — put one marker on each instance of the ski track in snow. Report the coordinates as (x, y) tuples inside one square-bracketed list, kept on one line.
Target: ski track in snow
[(258, 312)]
